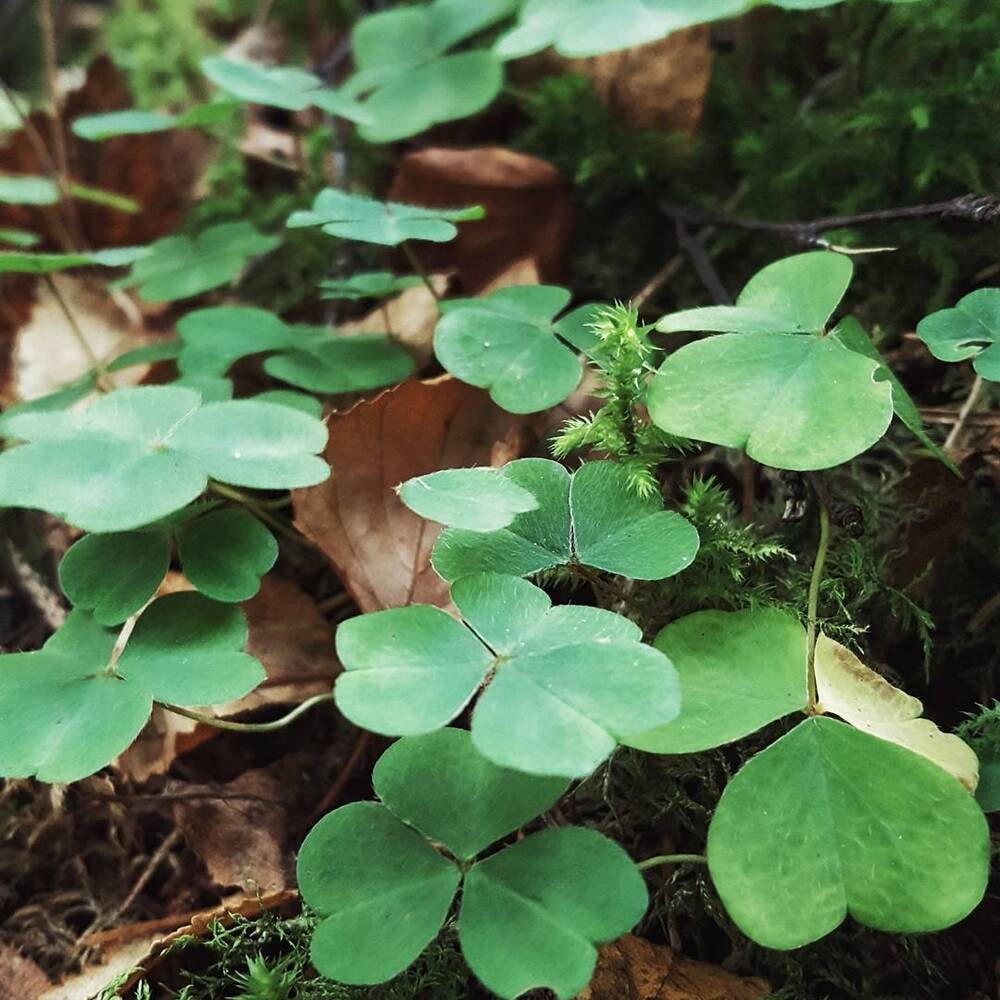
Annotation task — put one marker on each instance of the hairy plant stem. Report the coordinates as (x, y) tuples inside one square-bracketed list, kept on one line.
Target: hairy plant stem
[(417, 266), (813, 601), (671, 859), (251, 727)]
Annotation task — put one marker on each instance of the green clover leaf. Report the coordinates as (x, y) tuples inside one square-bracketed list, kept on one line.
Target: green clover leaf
[(507, 343), (136, 455), (590, 518), (474, 499), (18, 262), (970, 330), (600, 26), (369, 284), (19, 237), (739, 671), (530, 914), (388, 223), (413, 83), (307, 357), (793, 295), (286, 87), (791, 402), (852, 335), (22, 189), (828, 821), (178, 267), (562, 685), (70, 708)]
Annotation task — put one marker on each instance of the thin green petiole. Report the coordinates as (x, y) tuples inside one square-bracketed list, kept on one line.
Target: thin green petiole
[(813, 601), (672, 859), (258, 510), (419, 268), (251, 727)]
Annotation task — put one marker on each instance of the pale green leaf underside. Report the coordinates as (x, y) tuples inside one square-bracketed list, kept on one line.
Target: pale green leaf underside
[(474, 499), (791, 402), (441, 785), (970, 330), (739, 670), (829, 821), (591, 516), (382, 890), (532, 914)]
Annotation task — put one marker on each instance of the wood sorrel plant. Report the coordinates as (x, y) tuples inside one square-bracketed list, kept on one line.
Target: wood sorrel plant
[(862, 807)]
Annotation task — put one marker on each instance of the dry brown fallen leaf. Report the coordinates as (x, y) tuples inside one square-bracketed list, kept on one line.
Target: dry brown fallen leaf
[(20, 978), (239, 829), (45, 352), (159, 170), (661, 85), (378, 547), (632, 968), (410, 317), (854, 692), (528, 210)]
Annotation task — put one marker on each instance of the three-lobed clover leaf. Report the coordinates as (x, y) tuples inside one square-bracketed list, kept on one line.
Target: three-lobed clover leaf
[(388, 223), (288, 87), (852, 335), (739, 671), (590, 517), (368, 284), (830, 821), (790, 401), (594, 27), (562, 685), (970, 330), (530, 914), (509, 343), (26, 189), (224, 554), (311, 358), (404, 66), (474, 499), (136, 455), (178, 267), (70, 708), (794, 295)]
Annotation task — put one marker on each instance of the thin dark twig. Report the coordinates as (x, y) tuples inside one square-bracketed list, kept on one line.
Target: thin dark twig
[(694, 249), (969, 207)]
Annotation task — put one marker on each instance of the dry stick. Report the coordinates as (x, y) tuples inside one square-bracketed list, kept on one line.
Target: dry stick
[(419, 268), (969, 207), (346, 771), (955, 434), (102, 380), (147, 873), (51, 68)]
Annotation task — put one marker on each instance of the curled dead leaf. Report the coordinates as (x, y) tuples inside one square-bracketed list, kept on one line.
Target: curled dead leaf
[(632, 968), (528, 210), (858, 695)]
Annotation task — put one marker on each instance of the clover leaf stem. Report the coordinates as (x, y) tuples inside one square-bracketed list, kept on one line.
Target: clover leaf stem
[(420, 269), (251, 727), (671, 859), (258, 509), (813, 602)]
